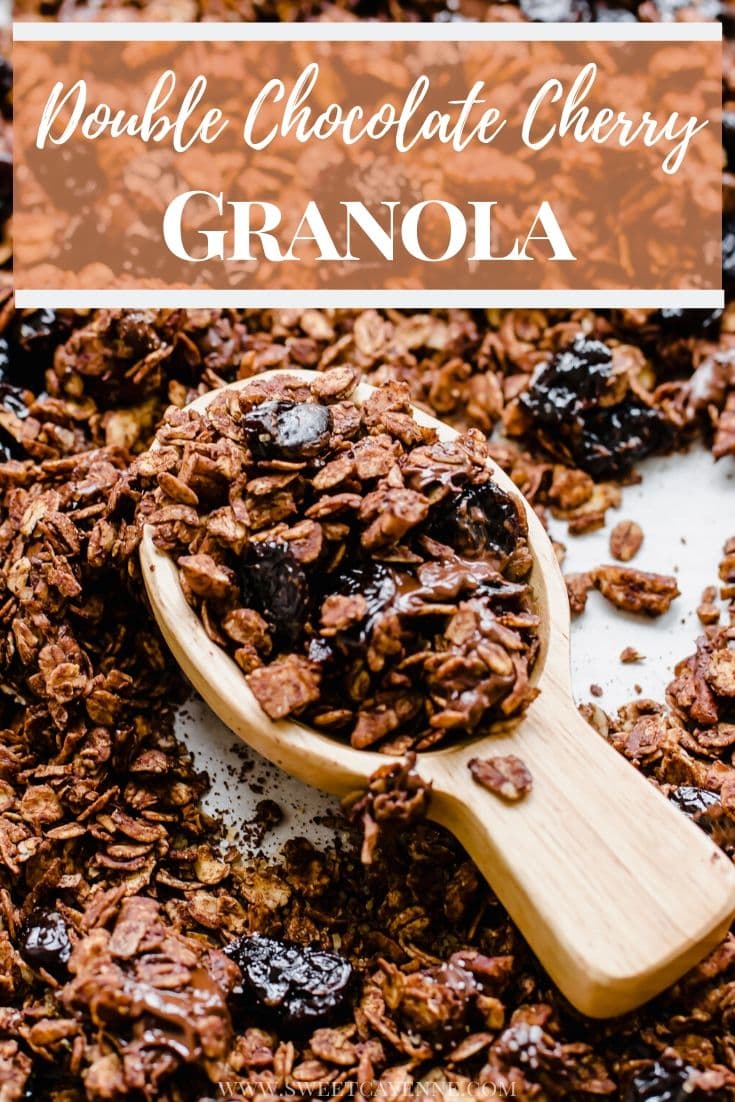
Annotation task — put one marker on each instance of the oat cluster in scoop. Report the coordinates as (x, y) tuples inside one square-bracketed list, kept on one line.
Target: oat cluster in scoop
[(364, 574)]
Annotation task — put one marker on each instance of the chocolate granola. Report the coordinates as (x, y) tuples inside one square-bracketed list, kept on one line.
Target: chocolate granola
[(100, 806), (364, 575)]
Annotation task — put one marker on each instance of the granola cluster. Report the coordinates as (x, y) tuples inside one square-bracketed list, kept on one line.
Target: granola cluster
[(395, 795), (363, 574)]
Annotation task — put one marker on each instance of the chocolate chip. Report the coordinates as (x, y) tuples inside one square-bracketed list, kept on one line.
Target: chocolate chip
[(696, 803), (45, 943)]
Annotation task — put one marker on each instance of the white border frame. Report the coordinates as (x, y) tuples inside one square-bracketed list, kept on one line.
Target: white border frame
[(399, 299), (367, 32)]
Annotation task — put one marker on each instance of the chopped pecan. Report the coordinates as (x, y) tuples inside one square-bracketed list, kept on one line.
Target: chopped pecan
[(625, 540), (506, 776), (707, 610), (635, 590), (578, 586)]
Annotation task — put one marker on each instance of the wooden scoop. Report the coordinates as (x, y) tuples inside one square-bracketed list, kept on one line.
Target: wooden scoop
[(617, 892)]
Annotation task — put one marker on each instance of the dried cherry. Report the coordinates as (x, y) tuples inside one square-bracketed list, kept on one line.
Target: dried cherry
[(556, 11), (728, 137), (6, 186), (668, 10), (283, 429), (614, 439), (574, 380), (565, 404), (299, 985), (276, 585), (44, 941), (32, 339), (134, 331), (604, 14), (11, 399), (6, 88), (728, 250), (475, 520), (374, 580), (677, 321), (662, 1081)]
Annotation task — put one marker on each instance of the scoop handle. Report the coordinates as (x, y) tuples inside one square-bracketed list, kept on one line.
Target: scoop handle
[(617, 892)]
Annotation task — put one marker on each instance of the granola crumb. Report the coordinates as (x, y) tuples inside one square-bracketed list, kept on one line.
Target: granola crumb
[(625, 540), (596, 689), (631, 654), (578, 587), (707, 610)]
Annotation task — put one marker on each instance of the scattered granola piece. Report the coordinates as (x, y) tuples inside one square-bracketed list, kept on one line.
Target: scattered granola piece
[(590, 516), (506, 776), (596, 689), (155, 987), (625, 540), (578, 586), (727, 563), (635, 590), (724, 441), (630, 654), (570, 488), (707, 610)]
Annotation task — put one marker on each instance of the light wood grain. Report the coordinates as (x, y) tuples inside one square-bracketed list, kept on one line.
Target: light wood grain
[(616, 891)]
